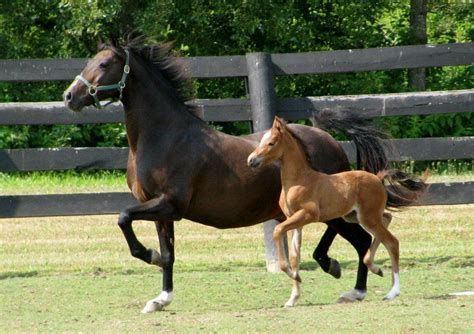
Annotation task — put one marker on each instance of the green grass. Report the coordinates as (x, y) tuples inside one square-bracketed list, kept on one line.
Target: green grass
[(75, 274), (106, 181), (30, 183)]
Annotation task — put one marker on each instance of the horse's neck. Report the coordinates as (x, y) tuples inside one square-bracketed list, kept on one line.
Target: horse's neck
[(294, 162), (149, 111)]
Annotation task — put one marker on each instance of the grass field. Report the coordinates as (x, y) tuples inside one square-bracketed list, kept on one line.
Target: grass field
[(75, 274)]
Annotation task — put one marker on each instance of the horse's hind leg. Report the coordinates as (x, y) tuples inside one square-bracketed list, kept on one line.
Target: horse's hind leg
[(320, 254), (295, 258), (360, 240)]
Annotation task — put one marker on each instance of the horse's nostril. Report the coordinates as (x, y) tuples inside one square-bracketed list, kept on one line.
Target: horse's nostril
[(69, 96)]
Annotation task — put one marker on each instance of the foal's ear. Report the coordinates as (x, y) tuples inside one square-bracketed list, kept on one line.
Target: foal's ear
[(279, 124)]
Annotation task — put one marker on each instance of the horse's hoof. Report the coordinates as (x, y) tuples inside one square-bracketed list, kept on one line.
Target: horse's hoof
[(352, 296), (159, 303), (152, 306), (334, 269)]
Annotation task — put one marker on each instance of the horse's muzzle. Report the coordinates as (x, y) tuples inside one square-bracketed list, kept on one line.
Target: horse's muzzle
[(70, 102)]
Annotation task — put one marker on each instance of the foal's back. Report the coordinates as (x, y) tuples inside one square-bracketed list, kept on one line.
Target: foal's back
[(338, 194)]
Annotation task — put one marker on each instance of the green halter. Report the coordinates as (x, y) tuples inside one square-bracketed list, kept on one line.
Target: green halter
[(93, 90)]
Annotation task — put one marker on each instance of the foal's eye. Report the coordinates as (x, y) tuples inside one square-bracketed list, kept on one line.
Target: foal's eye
[(103, 65), (271, 144)]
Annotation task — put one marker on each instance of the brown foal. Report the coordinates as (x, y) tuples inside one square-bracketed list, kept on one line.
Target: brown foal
[(309, 196)]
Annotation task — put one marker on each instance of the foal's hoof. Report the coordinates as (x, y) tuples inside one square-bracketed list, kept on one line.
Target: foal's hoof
[(380, 272), (391, 296), (334, 269)]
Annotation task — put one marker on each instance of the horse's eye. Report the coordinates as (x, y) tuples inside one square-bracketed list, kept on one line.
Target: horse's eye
[(103, 65), (271, 144)]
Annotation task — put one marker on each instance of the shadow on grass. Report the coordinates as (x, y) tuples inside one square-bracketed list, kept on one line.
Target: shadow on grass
[(410, 262), (22, 274)]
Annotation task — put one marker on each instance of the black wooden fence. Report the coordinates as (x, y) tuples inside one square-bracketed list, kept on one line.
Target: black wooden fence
[(260, 107)]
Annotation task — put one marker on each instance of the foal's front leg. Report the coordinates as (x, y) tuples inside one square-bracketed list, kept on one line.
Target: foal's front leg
[(294, 222), (295, 259)]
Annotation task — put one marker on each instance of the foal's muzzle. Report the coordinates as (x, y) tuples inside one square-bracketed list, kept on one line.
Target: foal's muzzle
[(254, 161)]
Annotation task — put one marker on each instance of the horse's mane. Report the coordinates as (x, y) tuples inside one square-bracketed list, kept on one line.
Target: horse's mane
[(161, 65)]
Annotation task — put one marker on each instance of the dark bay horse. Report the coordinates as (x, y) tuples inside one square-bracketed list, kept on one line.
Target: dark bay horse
[(179, 167), (309, 196)]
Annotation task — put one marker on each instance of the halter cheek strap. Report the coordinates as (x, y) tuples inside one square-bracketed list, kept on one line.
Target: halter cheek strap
[(93, 89)]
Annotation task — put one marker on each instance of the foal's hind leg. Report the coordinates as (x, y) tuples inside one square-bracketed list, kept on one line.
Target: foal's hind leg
[(375, 226), (295, 258), (369, 257)]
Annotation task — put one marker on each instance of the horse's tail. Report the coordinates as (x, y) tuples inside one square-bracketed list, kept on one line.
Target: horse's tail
[(403, 189), (370, 147)]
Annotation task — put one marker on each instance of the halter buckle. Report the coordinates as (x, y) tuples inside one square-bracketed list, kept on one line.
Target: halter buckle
[(93, 90)]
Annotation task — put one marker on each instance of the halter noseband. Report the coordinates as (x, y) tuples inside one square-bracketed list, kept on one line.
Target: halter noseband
[(93, 89)]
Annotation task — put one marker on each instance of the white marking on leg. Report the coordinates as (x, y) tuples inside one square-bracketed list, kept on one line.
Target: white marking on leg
[(159, 303), (295, 294), (395, 291)]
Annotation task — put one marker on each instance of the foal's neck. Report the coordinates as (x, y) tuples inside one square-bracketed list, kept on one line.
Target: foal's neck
[(294, 161)]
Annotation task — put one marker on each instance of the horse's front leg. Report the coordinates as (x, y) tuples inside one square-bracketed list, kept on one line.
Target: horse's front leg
[(166, 238), (157, 209)]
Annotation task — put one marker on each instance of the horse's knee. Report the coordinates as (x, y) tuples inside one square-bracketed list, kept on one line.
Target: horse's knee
[(124, 219), (167, 259)]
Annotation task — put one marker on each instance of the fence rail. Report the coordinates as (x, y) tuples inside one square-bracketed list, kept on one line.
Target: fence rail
[(357, 60), (262, 104), (229, 110), (114, 202), (73, 158)]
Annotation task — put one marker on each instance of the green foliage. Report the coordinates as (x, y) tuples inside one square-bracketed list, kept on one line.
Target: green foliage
[(73, 28)]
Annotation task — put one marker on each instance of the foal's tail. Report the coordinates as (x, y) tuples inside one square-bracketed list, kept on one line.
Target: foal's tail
[(403, 189), (371, 149)]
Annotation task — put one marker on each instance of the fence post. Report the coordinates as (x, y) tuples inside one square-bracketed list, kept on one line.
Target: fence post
[(263, 103)]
